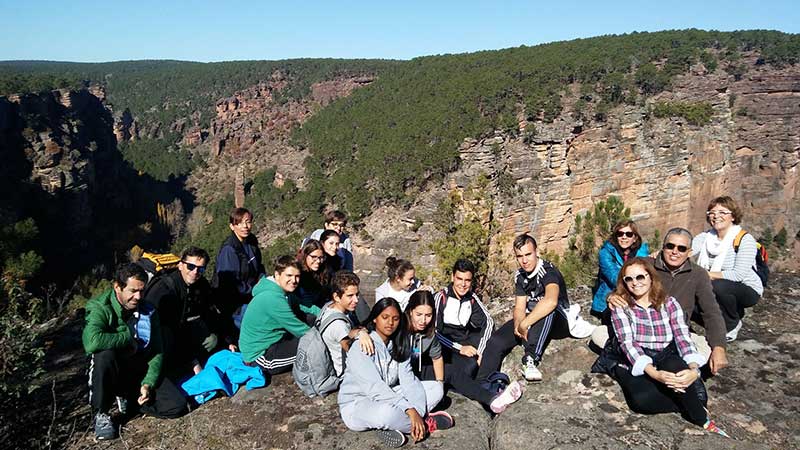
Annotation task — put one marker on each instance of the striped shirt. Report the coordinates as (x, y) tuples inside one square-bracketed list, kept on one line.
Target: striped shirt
[(737, 266), (638, 328)]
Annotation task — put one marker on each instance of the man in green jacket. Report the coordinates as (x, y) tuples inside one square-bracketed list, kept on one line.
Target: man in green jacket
[(123, 338), (271, 328)]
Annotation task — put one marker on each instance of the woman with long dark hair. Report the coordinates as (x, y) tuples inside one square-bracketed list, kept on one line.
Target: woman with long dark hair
[(625, 242), (429, 366), (380, 391), (314, 286)]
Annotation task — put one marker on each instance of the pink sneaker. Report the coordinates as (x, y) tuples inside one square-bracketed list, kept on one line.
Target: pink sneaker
[(511, 394)]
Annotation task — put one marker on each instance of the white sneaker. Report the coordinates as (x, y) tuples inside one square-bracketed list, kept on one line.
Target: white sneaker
[(530, 371), (511, 394), (731, 336)]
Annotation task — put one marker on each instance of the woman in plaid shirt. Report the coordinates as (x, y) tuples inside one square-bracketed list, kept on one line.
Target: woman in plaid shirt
[(653, 336)]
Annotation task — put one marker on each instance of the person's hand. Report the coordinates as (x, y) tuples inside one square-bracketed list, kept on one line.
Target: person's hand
[(615, 301), (417, 425), (718, 360), (145, 394), (521, 331), (233, 348), (663, 377), (468, 351), (425, 287), (367, 346), (210, 342), (683, 380), (480, 358)]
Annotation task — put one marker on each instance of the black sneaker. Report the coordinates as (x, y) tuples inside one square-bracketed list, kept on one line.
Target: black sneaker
[(438, 420), (104, 428), (391, 438)]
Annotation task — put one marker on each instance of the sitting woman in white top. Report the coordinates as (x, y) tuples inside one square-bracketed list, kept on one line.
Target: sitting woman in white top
[(400, 283), (660, 371), (729, 255), (380, 392)]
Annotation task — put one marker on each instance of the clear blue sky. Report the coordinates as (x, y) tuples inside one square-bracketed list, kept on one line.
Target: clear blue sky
[(204, 30)]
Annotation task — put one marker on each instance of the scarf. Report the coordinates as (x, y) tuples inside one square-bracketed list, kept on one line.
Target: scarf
[(716, 248)]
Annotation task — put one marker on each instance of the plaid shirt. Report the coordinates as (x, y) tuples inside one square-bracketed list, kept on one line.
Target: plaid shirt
[(638, 328)]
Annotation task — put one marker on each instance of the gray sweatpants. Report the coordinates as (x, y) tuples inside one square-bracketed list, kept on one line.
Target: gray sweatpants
[(367, 414)]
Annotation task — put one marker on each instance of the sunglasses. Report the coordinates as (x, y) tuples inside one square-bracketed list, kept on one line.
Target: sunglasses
[(192, 267), (629, 234), (640, 278), (671, 246)]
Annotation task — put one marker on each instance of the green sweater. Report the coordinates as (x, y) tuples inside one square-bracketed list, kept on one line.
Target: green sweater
[(269, 317), (106, 330)]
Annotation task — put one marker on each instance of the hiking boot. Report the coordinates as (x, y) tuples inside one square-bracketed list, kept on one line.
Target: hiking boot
[(511, 394), (531, 370), (712, 427), (731, 336), (104, 428), (122, 405), (391, 438), (438, 420)]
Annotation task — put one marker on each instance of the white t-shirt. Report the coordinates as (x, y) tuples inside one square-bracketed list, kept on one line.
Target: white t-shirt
[(386, 290), (333, 335)]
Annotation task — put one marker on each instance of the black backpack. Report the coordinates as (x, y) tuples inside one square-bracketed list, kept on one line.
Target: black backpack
[(761, 267)]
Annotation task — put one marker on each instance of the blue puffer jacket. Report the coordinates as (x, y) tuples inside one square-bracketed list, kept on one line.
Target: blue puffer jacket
[(610, 263)]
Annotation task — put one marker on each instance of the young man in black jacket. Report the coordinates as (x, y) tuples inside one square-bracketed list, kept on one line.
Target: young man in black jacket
[(190, 320)]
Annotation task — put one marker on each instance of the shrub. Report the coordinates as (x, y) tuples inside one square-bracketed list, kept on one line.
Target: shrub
[(694, 113)]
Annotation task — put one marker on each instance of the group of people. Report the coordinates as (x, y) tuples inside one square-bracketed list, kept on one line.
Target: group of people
[(393, 362)]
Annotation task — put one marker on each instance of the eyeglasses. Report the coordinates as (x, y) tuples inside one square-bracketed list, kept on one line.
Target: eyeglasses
[(337, 224), (192, 267), (718, 213), (629, 234), (639, 278), (671, 246), (316, 258)]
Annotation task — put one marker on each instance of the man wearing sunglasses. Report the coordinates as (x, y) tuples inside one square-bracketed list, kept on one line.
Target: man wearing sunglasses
[(691, 286), (189, 319)]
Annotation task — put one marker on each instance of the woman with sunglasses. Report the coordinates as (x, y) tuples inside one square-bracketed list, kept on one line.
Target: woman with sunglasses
[(736, 284), (660, 370), (624, 243)]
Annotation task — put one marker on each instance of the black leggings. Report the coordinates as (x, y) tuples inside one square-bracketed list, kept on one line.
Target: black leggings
[(459, 379), (648, 396), (733, 297), (554, 325)]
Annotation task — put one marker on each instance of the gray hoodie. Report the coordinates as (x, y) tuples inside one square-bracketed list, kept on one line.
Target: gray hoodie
[(374, 377)]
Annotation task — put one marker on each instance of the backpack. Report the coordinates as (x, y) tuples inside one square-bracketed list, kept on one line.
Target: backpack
[(761, 267), (313, 369), (154, 263)]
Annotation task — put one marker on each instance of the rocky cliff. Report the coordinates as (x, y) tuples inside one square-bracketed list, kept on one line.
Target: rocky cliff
[(665, 169), (62, 168)]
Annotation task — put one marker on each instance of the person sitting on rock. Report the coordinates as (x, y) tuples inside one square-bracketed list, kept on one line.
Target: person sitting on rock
[(379, 391), (238, 269), (540, 313), (274, 321), (429, 365), (400, 282), (314, 287), (660, 372), (189, 319), (732, 269), (463, 324), (689, 284), (123, 338), (339, 335), (625, 242), (330, 241), (337, 221)]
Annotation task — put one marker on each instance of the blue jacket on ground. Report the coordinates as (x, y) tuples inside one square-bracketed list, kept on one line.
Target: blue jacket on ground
[(224, 371), (610, 262)]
